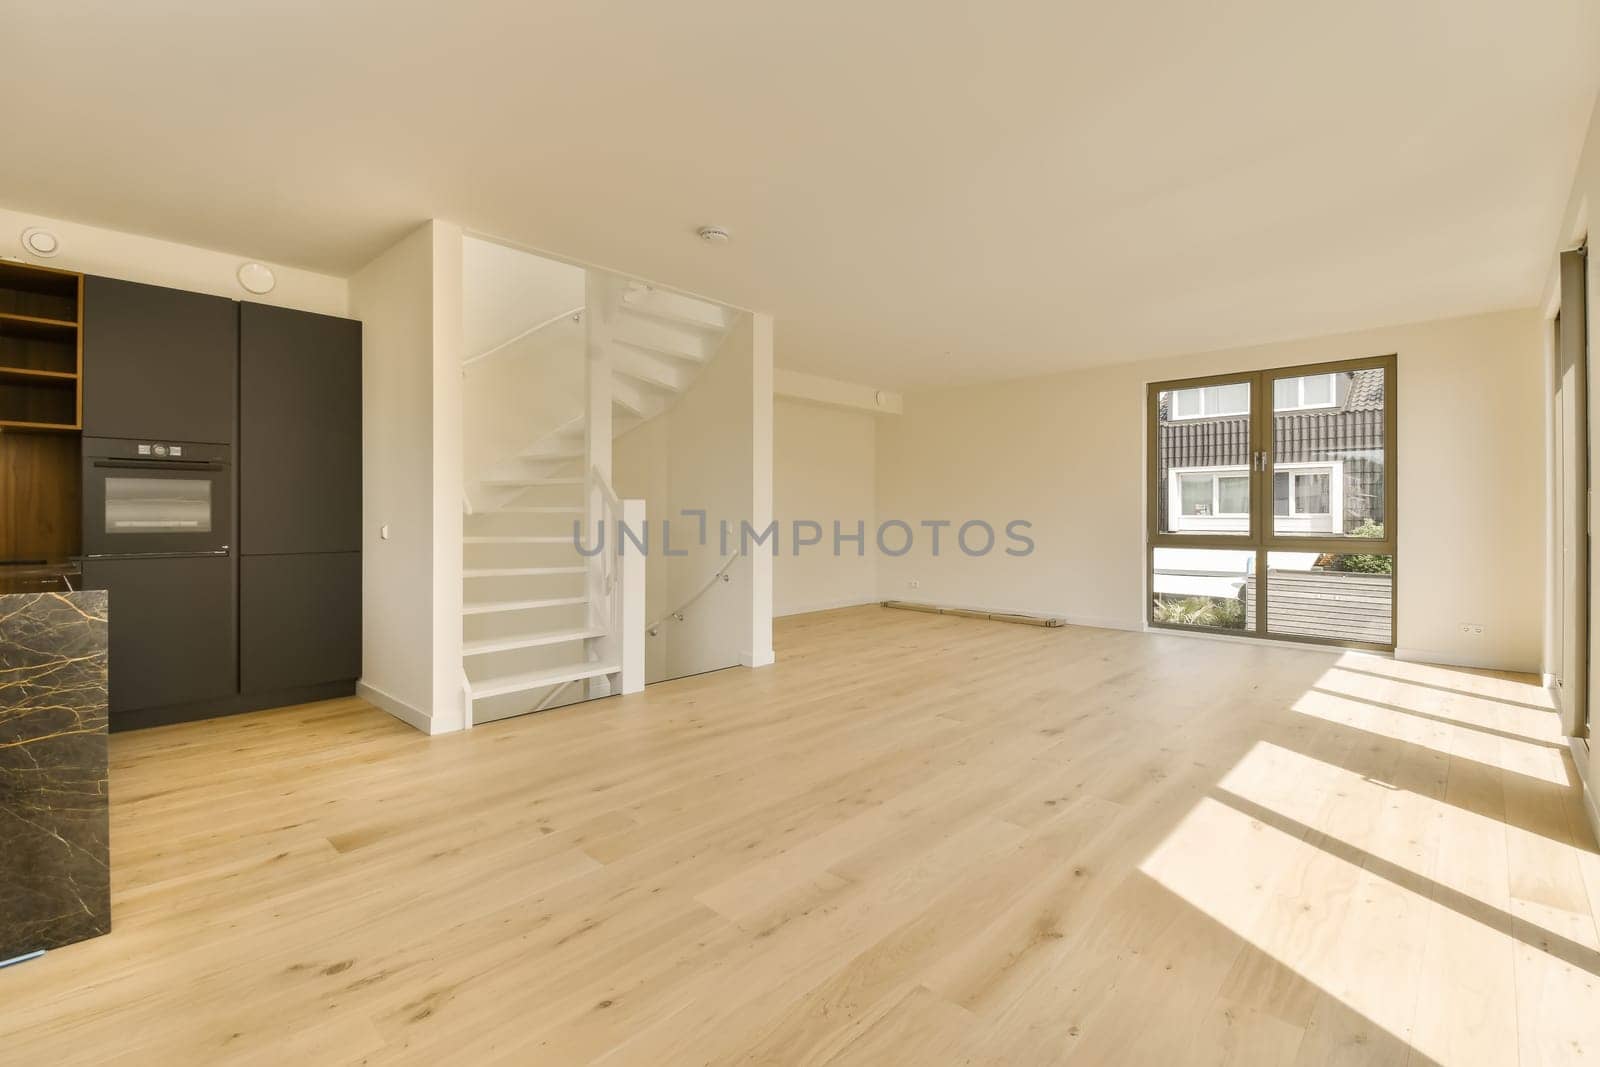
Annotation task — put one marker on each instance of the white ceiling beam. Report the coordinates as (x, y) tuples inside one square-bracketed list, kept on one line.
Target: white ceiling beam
[(796, 385)]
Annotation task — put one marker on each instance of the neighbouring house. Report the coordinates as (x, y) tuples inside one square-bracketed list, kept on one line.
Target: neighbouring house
[(1327, 457)]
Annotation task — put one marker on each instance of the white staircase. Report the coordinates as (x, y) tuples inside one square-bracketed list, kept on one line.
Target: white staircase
[(539, 617)]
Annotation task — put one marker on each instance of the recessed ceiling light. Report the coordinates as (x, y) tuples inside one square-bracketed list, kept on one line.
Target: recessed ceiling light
[(257, 278), (40, 242), (713, 235)]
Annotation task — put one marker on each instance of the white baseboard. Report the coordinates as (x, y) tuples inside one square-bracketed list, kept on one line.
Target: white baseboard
[(1584, 759), (1098, 622), (1245, 637), (406, 713), (1452, 659), (1101, 622), (832, 605), (764, 658)]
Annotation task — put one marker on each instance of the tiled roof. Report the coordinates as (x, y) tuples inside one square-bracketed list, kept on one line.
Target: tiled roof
[(1366, 391), (1365, 394)]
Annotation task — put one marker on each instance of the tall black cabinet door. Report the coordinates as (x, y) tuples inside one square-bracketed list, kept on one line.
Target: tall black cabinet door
[(158, 364), (173, 632), (299, 453), (299, 620)]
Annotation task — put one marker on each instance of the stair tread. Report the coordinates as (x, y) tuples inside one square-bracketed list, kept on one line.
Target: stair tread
[(518, 572), (485, 607), (684, 314), (569, 451), (533, 639), (518, 683), (649, 378), (573, 480)]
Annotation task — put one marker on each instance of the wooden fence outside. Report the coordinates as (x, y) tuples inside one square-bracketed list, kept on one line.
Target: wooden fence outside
[(1328, 604)]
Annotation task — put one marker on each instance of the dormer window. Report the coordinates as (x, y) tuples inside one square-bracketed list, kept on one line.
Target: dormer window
[(1211, 401), (1309, 392)]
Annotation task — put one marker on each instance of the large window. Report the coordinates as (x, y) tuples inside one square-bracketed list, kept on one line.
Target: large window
[(1278, 522)]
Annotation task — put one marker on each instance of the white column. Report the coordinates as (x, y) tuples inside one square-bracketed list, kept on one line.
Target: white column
[(630, 616), (597, 462), (448, 711), (761, 654)]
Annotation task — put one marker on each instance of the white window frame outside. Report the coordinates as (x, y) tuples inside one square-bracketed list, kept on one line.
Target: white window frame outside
[(1217, 474), (1229, 522), (1173, 416), (1294, 472), (1286, 524), (1300, 392)]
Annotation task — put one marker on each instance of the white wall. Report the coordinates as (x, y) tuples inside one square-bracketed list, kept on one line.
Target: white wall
[(1067, 453), (131, 257), (529, 386), (824, 470), (449, 705), (409, 301), (506, 290), (711, 451)]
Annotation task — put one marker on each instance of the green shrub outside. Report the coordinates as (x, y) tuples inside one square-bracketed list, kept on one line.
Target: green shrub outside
[(1363, 562), (1222, 613)]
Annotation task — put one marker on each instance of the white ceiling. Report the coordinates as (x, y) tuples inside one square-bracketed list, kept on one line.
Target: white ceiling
[(921, 191)]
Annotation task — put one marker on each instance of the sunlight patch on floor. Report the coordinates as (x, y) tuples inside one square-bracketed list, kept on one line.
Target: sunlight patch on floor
[(1379, 874), (1416, 727)]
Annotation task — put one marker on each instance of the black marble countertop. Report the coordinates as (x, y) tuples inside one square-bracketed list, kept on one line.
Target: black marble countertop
[(55, 885)]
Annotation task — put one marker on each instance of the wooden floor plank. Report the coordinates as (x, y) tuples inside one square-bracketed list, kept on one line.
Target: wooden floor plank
[(916, 839)]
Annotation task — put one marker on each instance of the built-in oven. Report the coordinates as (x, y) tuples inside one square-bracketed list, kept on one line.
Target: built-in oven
[(155, 498)]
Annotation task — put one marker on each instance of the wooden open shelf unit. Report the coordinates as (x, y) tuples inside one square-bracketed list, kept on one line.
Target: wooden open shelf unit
[(41, 410), (41, 348)]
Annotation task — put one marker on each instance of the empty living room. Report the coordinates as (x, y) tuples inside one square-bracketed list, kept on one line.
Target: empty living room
[(884, 534)]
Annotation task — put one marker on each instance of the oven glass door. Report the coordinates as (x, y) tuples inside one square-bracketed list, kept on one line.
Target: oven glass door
[(156, 509), (138, 503)]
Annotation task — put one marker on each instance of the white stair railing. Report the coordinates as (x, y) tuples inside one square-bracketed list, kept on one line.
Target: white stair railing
[(575, 314), (678, 613)]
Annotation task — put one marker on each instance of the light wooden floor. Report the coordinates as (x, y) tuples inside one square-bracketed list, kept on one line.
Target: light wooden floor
[(916, 840)]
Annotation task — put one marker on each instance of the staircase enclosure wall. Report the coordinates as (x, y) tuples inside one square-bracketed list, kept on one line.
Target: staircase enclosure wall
[(705, 454), (409, 301)]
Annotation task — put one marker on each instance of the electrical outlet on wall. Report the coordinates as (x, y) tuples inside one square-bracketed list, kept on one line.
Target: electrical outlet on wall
[(1472, 629), (913, 584)]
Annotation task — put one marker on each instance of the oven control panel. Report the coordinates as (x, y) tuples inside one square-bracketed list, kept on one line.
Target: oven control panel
[(152, 452), (160, 451)]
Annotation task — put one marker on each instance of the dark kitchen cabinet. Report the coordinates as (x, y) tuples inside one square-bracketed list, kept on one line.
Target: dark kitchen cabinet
[(276, 618), (158, 364), (299, 464), (299, 620), (173, 634), (299, 455)]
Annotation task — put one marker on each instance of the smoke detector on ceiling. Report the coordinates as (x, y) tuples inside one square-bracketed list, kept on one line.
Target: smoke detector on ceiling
[(714, 235), (40, 242)]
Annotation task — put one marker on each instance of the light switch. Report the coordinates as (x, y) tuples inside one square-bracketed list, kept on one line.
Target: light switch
[(383, 531)]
